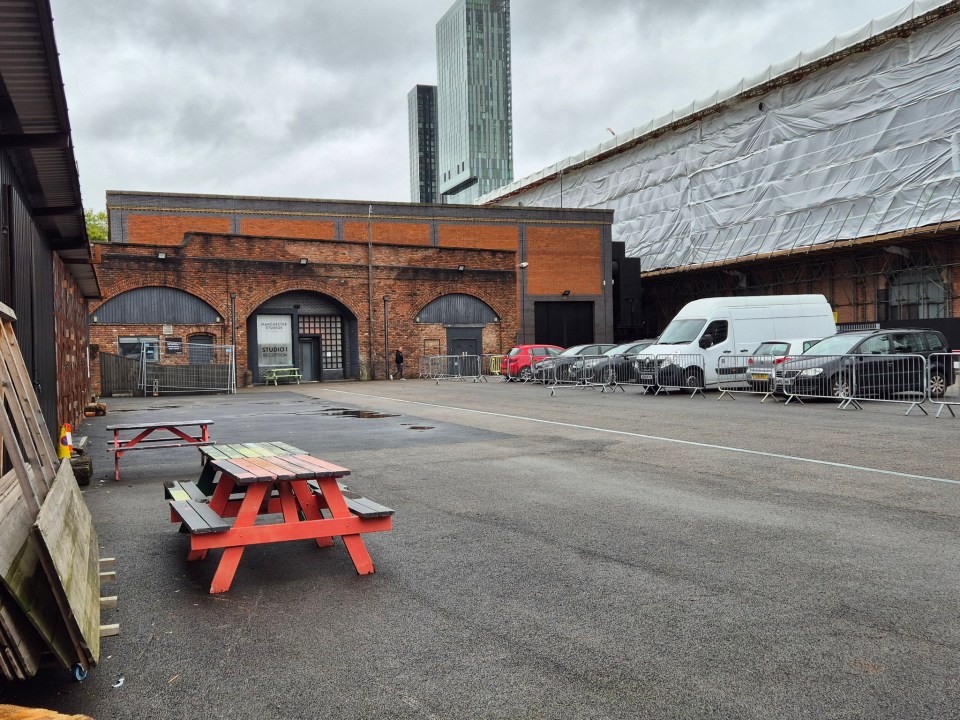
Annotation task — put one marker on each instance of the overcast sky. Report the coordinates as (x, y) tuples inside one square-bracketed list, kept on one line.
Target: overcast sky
[(308, 98)]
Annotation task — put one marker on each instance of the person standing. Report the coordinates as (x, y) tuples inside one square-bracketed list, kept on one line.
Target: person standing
[(398, 361)]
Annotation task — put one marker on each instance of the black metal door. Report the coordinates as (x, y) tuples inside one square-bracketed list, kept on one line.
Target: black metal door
[(563, 323), (464, 341)]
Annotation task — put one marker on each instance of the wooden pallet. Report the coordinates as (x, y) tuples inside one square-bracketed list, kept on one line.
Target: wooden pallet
[(49, 565)]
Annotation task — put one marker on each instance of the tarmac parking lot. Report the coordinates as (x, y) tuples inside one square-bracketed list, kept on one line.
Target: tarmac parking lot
[(589, 555)]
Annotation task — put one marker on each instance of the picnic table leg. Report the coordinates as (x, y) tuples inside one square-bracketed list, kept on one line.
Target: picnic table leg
[(311, 508), (230, 559), (354, 543)]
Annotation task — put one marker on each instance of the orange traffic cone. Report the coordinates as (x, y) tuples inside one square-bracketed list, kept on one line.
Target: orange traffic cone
[(65, 446)]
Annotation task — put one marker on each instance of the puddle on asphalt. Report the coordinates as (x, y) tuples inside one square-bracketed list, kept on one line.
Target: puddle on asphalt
[(421, 427), (364, 414)]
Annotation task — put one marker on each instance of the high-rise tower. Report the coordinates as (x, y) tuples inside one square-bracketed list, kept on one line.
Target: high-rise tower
[(422, 113), (474, 105)]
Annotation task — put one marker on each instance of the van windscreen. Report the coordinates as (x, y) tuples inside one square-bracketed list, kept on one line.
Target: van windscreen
[(682, 332)]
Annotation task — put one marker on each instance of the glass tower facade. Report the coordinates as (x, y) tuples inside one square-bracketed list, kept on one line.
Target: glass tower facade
[(422, 114), (474, 101)]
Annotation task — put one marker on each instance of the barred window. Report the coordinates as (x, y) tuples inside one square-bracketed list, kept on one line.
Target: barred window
[(329, 328)]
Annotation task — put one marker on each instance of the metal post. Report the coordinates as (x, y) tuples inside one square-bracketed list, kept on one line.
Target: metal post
[(386, 335), (233, 340), (371, 354)]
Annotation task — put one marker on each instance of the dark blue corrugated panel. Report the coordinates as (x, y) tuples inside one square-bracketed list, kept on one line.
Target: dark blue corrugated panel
[(310, 303), (156, 305), (457, 309)]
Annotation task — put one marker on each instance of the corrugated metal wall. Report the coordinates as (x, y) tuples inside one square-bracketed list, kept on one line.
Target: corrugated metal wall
[(27, 287), (152, 305), (457, 309)]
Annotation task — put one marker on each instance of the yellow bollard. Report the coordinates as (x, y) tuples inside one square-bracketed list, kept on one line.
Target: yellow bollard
[(65, 446)]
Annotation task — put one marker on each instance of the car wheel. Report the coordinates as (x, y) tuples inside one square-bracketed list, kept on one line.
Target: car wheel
[(841, 386), (526, 374), (609, 376), (693, 378), (938, 382)]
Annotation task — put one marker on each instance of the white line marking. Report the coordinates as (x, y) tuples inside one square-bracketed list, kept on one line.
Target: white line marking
[(676, 441)]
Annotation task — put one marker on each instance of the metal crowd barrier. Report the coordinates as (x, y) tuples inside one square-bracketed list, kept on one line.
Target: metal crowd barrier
[(748, 375), (943, 388), (454, 367), (891, 378), (490, 366), (579, 372), (666, 372)]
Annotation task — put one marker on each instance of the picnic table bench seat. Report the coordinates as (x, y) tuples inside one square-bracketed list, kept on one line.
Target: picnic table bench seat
[(198, 517), (286, 374)]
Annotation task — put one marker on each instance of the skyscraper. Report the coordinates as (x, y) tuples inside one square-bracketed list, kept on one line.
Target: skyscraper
[(474, 103), (422, 112)]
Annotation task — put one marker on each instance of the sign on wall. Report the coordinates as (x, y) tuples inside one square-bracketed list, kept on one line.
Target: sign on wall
[(274, 341), (174, 345)]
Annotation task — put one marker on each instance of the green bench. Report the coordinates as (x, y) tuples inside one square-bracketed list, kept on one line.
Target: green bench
[(286, 374)]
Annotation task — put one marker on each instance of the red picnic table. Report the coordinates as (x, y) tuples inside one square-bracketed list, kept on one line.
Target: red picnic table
[(173, 433), (262, 479)]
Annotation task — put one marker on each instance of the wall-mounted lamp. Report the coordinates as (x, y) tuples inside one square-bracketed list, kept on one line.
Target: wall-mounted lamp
[(303, 261), (161, 255), (219, 319), (96, 319), (566, 293), (459, 268), (523, 265)]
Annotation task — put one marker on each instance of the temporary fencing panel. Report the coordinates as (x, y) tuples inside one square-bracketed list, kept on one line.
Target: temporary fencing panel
[(752, 375), (576, 372), (453, 367), (198, 368), (666, 372), (490, 365), (884, 377), (942, 385)]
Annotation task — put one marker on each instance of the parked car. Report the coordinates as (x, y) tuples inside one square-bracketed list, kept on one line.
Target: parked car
[(618, 364), (766, 360), (871, 363), (558, 368), (517, 363)]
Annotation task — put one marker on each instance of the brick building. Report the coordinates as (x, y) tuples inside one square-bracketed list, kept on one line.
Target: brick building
[(333, 287)]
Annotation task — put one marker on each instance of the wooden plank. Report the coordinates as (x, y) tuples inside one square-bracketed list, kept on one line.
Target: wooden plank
[(108, 576), (269, 466), (213, 452), (186, 490), (21, 637), (323, 468), (199, 517), (147, 426), (107, 564), (290, 449), (235, 471), (108, 603), (23, 404), (299, 472), (66, 531), (109, 630), (164, 444)]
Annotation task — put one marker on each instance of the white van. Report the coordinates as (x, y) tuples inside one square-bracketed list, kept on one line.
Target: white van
[(688, 352)]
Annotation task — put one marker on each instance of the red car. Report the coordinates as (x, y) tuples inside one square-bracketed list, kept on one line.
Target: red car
[(516, 363)]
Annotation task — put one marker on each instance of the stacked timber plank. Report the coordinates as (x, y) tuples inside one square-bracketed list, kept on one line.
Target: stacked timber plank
[(49, 551)]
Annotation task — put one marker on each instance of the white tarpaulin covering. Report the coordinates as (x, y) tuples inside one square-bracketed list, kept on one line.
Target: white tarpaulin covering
[(867, 145)]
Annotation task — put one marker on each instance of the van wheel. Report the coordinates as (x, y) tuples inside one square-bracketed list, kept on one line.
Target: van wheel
[(938, 382), (693, 378), (841, 386)]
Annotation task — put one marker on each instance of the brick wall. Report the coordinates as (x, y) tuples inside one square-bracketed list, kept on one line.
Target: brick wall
[(257, 269), (564, 259), (70, 319), (169, 229)]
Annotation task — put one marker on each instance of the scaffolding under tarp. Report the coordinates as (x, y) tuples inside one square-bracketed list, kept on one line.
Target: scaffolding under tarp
[(857, 138)]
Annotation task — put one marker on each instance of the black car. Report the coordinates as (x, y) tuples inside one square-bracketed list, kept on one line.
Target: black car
[(882, 364), (618, 364), (557, 368)]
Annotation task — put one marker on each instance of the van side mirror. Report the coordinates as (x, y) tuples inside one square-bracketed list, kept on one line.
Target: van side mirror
[(706, 341)]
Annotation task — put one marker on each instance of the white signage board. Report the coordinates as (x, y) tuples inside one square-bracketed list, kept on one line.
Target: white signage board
[(274, 341)]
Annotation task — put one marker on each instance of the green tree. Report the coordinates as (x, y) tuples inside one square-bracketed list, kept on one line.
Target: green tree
[(96, 225)]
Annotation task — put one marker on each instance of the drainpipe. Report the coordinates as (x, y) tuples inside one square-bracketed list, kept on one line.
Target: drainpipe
[(371, 353)]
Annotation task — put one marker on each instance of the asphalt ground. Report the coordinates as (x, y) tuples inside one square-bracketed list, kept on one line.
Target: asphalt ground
[(589, 555)]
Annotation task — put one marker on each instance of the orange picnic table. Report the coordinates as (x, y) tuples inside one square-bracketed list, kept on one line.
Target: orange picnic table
[(295, 495)]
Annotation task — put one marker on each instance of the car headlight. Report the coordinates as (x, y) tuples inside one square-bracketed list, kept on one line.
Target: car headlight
[(811, 372)]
